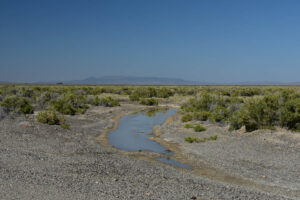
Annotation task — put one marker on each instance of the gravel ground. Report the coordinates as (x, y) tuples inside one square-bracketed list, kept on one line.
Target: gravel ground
[(39, 161), (264, 158)]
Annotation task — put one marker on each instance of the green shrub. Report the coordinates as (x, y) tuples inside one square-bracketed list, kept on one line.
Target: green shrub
[(143, 93), (197, 140), (191, 139), (215, 137), (134, 97), (65, 126), (51, 118), (109, 102), (95, 101), (63, 107), (149, 102), (202, 116), (188, 126), (290, 114), (199, 128), (186, 117), (17, 104), (164, 93), (202, 104), (70, 104), (218, 114), (235, 121)]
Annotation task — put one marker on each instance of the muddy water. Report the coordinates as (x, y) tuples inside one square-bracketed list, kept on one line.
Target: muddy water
[(133, 132)]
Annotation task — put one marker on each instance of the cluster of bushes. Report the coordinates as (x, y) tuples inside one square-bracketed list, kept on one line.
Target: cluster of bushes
[(190, 139), (274, 108), (150, 92), (105, 101), (197, 128), (51, 118), (17, 104), (70, 104), (252, 107), (148, 101)]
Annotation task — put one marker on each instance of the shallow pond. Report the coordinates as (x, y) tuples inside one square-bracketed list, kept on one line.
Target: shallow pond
[(133, 131)]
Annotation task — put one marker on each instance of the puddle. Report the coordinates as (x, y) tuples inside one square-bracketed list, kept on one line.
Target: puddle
[(133, 132), (173, 162)]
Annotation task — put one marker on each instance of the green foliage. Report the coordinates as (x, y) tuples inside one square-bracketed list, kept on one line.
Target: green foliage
[(202, 104), (95, 101), (199, 128), (186, 117), (150, 92), (254, 114), (255, 107), (64, 107), (149, 102), (191, 139), (290, 114), (17, 104), (218, 114), (109, 102), (164, 93), (188, 126), (250, 92), (65, 126), (235, 121), (47, 117), (134, 97), (51, 118), (201, 116), (70, 104), (197, 140)]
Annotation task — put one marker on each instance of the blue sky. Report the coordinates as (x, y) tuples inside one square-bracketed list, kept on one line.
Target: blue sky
[(213, 40)]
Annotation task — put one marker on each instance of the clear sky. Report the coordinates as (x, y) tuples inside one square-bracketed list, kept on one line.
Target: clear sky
[(212, 40)]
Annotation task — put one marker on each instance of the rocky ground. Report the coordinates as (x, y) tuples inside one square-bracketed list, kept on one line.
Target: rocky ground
[(39, 161)]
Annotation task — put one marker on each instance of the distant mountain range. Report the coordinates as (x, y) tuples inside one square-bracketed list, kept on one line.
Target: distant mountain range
[(133, 80)]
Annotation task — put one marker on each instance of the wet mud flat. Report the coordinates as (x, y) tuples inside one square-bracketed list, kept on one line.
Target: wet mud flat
[(39, 161)]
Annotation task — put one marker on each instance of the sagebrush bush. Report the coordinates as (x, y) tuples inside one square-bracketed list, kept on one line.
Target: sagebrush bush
[(109, 102), (188, 126), (149, 102), (186, 117), (201, 116), (218, 114), (70, 104), (95, 101), (17, 104), (191, 139), (197, 140), (199, 128), (290, 114), (235, 121), (51, 118)]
